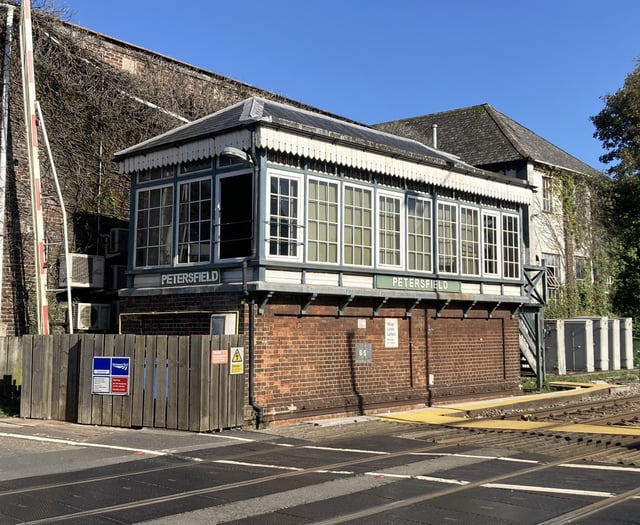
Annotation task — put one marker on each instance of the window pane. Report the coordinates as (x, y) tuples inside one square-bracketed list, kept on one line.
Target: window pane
[(419, 234), (510, 247), (194, 232), (283, 217), (490, 244), (470, 241), (357, 227), (389, 230), (154, 226), (447, 238)]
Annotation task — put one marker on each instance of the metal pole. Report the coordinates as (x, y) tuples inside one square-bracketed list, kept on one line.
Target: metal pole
[(29, 92), (65, 232)]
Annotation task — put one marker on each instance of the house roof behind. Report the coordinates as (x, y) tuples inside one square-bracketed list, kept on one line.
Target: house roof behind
[(256, 109), (482, 136)]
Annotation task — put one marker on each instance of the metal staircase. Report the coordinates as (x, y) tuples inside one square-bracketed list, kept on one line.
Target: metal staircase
[(531, 335)]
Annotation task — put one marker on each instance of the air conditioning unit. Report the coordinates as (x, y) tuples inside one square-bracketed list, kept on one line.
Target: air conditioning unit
[(91, 316), (118, 240), (87, 271), (117, 276)]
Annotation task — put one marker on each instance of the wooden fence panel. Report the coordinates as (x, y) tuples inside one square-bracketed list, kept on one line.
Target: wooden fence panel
[(173, 363), (160, 409), (184, 365), (137, 393), (10, 368), (96, 400), (108, 349), (117, 402), (173, 380), (26, 396), (127, 401)]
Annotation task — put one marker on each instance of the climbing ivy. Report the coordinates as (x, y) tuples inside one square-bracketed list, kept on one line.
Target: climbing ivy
[(584, 204)]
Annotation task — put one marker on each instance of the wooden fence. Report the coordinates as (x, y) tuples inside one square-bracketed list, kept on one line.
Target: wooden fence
[(174, 381)]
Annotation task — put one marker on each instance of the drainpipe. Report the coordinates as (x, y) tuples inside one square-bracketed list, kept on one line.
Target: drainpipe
[(258, 409)]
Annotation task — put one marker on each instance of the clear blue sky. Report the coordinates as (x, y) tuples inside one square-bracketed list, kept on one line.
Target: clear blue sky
[(544, 63)]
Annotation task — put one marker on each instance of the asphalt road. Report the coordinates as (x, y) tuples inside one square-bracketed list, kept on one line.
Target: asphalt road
[(353, 471)]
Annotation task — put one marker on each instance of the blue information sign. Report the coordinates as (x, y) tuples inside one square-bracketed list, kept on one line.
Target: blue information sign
[(110, 376)]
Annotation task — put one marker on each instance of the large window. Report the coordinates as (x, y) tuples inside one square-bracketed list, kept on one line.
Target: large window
[(490, 249), (511, 247), (194, 222), (284, 216), (447, 238), (154, 226), (470, 241), (389, 230), (419, 234), (322, 222), (358, 226)]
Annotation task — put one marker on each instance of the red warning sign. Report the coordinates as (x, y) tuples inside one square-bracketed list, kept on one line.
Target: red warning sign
[(119, 385)]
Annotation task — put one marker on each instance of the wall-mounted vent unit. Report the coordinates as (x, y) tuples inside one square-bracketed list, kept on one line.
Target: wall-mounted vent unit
[(87, 271), (118, 240), (117, 276), (91, 316)]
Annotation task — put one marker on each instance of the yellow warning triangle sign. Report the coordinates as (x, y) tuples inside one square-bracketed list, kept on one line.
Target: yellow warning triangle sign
[(237, 358)]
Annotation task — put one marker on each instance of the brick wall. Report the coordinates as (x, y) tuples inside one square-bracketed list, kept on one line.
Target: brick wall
[(179, 314), (306, 365)]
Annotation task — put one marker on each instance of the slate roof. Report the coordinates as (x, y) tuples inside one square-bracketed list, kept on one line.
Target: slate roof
[(482, 136), (256, 109)]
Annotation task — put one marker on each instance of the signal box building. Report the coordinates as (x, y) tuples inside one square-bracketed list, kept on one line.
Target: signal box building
[(366, 271)]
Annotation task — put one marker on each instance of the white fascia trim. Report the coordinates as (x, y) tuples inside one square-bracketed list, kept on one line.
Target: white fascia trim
[(280, 140), (196, 150)]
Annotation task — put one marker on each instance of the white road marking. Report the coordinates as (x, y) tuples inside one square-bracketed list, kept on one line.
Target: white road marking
[(82, 444), (552, 490)]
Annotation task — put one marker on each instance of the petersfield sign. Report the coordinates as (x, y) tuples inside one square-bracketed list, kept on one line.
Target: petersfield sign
[(419, 284), (190, 278)]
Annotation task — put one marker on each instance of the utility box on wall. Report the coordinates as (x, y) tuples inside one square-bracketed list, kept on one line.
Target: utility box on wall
[(91, 316), (87, 271)]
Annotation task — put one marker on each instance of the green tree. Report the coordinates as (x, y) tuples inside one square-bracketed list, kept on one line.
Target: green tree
[(618, 127)]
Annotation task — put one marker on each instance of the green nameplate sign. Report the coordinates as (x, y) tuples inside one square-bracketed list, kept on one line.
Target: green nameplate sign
[(418, 284)]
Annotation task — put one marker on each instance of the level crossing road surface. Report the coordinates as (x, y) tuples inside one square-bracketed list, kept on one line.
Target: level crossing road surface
[(364, 470)]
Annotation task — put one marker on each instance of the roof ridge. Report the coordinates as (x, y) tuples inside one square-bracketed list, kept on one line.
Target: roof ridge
[(498, 117)]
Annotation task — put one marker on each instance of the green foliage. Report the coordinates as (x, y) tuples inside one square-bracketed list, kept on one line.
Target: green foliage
[(585, 202), (618, 127)]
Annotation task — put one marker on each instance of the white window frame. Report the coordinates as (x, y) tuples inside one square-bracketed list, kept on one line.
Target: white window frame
[(547, 194), (518, 247), (456, 239), (498, 244), (478, 241), (371, 246), (298, 237), (178, 222), (424, 235), (399, 237), (170, 243), (327, 223)]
